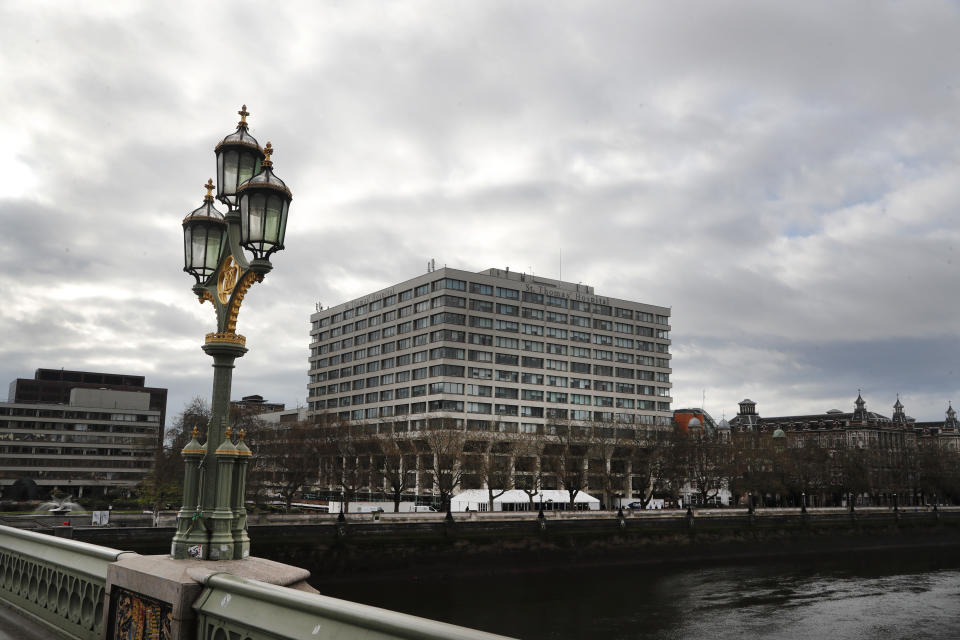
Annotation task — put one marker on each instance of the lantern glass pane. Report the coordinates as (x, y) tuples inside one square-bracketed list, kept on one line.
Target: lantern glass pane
[(212, 251), (199, 249), (186, 247), (257, 215), (271, 226), (248, 167), (244, 218), (283, 222), (230, 160), (220, 179)]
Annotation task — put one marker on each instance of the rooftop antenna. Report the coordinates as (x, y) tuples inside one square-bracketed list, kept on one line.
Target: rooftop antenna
[(560, 277)]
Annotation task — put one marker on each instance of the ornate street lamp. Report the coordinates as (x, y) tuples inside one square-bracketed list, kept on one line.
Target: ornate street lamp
[(212, 523)]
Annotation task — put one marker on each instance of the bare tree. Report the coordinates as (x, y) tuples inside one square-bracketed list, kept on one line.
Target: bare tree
[(446, 445), (487, 462), (286, 457), (650, 455), (394, 468), (528, 474), (566, 459)]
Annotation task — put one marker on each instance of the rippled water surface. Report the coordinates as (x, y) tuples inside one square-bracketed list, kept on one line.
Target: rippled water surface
[(896, 594)]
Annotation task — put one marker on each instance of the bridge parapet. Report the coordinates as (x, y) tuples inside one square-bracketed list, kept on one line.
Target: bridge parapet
[(68, 586), (59, 582)]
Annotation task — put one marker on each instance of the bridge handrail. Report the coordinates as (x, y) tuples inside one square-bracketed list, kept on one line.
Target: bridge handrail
[(239, 604), (60, 583)]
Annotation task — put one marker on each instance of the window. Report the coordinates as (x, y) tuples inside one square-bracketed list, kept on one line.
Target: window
[(553, 332), (448, 335), (605, 325), (624, 387), (556, 381), (555, 301), (485, 306), (530, 296), (625, 403), (645, 331), (556, 365), (534, 395), (623, 313), (505, 409), (580, 321), (403, 392), (531, 345), (602, 354), (579, 398), (446, 370), (479, 373), (579, 336), (445, 405), (482, 289), (602, 370), (420, 356), (507, 325), (386, 378), (663, 392), (389, 301), (508, 309), (509, 359), (506, 376), (446, 387), (481, 339), (480, 356), (420, 307), (531, 362), (602, 339), (507, 343), (576, 305), (602, 401), (532, 314), (421, 340), (557, 349), (556, 396), (552, 316), (579, 367), (602, 309), (481, 323), (422, 290), (418, 390), (478, 407), (420, 373), (531, 378), (663, 320), (449, 283), (580, 352), (511, 294), (446, 352), (532, 329), (448, 317), (623, 372), (602, 385), (448, 301), (479, 390), (531, 412), (506, 392)]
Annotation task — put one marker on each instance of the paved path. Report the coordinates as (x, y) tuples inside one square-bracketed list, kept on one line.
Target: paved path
[(14, 626)]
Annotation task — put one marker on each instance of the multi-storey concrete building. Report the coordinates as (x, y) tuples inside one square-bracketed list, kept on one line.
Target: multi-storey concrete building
[(79, 431), (494, 350)]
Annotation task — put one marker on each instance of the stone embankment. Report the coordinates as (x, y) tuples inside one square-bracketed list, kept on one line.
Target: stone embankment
[(422, 542)]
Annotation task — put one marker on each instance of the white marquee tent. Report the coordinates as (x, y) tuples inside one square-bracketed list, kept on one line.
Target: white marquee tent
[(517, 500)]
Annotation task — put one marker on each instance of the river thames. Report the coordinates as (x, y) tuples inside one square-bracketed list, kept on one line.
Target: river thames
[(899, 593)]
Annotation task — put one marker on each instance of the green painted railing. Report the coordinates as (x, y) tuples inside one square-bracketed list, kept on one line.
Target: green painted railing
[(60, 583), (233, 608)]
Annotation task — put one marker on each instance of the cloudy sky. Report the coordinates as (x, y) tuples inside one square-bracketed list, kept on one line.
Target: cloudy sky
[(785, 176)]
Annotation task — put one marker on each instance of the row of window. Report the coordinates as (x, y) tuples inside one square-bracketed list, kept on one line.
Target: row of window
[(477, 288), (507, 359), (531, 395), (449, 371), (506, 310), (499, 410)]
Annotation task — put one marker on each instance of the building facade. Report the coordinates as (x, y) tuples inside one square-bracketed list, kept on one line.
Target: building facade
[(498, 348), (79, 431)]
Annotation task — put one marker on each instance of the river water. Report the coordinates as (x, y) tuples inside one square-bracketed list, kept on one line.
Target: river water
[(869, 595)]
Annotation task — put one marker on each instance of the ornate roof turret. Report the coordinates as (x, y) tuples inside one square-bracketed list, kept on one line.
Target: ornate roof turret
[(899, 417), (860, 413), (951, 422)]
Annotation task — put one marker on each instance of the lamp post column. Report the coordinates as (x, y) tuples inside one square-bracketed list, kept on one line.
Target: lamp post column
[(190, 540)]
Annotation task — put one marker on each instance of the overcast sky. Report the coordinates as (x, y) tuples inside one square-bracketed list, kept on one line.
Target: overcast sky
[(785, 176)]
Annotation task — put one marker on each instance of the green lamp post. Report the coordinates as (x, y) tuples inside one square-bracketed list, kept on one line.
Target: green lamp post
[(212, 524)]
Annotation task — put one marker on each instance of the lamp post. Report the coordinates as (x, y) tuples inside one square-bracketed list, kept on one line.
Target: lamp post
[(212, 523)]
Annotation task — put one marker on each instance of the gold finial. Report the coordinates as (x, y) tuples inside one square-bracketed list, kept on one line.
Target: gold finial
[(195, 432), (209, 187), (228, 432), (243, 432), (267, 151), (243, 113)]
